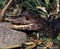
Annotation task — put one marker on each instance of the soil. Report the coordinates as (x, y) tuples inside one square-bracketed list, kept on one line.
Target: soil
[(10, 37)]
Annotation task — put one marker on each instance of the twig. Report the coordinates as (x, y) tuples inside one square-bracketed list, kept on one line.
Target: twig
[(4, 9)]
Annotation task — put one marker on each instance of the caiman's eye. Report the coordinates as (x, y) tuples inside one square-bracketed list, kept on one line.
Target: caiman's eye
[(27, 18)]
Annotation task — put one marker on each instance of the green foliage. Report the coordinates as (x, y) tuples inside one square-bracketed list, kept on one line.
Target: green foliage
[(47, 3), (33, 6), (2, 3), (57, 40), (30, 5), (58, 37)]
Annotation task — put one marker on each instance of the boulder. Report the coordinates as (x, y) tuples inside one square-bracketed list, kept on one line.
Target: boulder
[(10, 37)]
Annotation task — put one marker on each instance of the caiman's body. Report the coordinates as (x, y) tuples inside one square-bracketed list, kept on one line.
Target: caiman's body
[(32, 21)]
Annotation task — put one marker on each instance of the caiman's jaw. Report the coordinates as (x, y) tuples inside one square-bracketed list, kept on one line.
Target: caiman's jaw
[(25, 27)]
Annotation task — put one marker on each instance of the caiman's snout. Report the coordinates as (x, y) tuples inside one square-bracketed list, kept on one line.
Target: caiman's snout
[(24, 20)]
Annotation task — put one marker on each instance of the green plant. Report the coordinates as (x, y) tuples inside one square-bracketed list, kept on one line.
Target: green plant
[(2, 3), (37, 6)]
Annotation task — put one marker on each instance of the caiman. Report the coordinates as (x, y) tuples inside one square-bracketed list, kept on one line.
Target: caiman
[(29, 20)]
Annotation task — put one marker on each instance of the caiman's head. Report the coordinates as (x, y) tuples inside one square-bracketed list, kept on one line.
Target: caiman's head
[(26, 21)]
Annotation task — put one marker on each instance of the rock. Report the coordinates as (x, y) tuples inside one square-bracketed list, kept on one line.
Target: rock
[(10, 37)]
